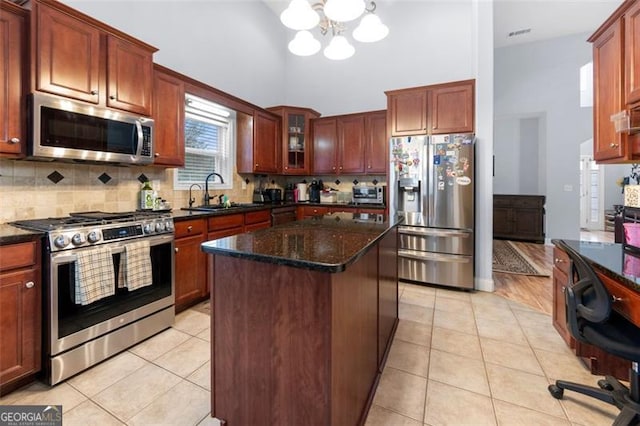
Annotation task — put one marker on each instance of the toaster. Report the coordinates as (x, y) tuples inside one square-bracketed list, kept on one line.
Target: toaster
[(368, 194)]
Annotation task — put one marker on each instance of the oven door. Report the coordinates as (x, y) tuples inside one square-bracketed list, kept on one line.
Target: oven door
[(70, 324)]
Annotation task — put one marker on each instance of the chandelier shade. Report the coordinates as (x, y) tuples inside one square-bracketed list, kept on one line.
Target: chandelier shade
[(299, 16), (339, 48), (330, 17), (343, 10), (304, 44), (371, 29)]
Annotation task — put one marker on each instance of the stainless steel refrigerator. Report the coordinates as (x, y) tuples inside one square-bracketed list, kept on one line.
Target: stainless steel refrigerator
[(431, 183)]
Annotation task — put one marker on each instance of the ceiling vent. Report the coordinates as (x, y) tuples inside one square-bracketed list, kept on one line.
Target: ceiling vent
[(519, 32)]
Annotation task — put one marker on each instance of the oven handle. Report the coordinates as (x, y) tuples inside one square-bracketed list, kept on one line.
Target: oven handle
[(116, 248), (423, 232)]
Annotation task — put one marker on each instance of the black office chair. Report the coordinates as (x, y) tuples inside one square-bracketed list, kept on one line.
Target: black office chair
[(591, 320)]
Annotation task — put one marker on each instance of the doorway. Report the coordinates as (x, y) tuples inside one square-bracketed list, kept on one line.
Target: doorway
[(591, 199)]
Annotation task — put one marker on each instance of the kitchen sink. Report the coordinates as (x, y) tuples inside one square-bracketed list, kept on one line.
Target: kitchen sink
[(216, 207)]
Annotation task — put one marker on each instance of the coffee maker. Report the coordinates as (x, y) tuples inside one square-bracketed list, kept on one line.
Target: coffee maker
[(314, 191)]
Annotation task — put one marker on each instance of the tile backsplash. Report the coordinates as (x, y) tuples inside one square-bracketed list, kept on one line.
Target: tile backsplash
[(34, 189)]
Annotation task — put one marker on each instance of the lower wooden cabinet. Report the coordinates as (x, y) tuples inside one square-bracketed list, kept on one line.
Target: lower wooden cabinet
[(519, 217), (20, 314), (260, 219), (597, 361), (305, 212), (281, 215), (190, 263)]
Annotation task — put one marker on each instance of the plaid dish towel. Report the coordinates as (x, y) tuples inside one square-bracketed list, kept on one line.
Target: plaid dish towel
[(135, 266), (94, 278)]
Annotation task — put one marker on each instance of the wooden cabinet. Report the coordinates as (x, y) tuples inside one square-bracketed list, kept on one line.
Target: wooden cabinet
[(632, 53), (561, 268), (190, 263), (224, 226), (168, 113), (325, 145), (519, 217), (387, 293), (451, 108), (376, 154), (280, 215), (296, 138), (350, 144), (260, 219), (607, 95), (436, 109), (78, 57), (597, 361), (305, 212), (13, 48), (407, 112), (258, 147), (20, 314)]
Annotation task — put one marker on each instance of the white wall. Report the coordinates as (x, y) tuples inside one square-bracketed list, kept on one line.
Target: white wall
[(428, 42), (543, 77), (235, 46)]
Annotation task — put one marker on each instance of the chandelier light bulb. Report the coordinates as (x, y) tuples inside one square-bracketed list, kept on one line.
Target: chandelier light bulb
[(343, 10), (299, 15), (339, 48), (304, 44), (371, 29)]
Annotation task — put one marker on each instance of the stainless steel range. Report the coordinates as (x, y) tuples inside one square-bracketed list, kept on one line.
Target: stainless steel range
[(108, 284)]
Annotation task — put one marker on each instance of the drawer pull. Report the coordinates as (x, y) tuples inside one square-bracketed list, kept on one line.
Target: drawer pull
[(558, 260), (613, 145), (189, 228), (176, 249), (14, 140), (29, 284)]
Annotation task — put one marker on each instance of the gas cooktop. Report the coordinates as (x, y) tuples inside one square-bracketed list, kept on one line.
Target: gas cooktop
[(84, 229)]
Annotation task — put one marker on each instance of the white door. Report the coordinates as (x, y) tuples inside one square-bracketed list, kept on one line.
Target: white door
[(591, 200)]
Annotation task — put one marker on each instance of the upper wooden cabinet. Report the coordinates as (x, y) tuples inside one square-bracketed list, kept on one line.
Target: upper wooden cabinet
[(350, 144), (258, 142), (607, 95), (13, 50), (616, 71), (168, 113), (376, 143), (437, 109), (451, 108), (78, 57), (296, 138), (407, 112)]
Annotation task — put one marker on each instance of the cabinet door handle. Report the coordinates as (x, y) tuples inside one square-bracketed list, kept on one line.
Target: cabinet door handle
[(613, 145), (14, 140), (176, 249), (615, 298), (112, 97), (157, 154), (557, 260), (94, 92), (256, 164), (189, 228), (29, 284)]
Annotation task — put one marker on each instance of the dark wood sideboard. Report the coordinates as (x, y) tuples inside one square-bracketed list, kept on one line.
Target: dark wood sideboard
[(519, 217)]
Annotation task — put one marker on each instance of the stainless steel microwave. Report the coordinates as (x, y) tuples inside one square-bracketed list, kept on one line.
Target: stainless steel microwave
[(66, 129)]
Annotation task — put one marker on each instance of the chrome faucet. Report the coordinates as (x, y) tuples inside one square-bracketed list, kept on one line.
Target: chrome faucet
[(208, 197), (192, 199)]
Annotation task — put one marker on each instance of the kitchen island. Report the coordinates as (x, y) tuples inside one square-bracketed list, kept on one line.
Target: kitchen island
[(303, 315)]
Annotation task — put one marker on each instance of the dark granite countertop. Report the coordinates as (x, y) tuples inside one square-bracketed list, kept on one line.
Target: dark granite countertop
[(612, 259), (324, 243), (9, 234), (179, 214)]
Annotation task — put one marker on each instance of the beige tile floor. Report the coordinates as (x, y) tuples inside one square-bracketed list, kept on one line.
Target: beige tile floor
[(457, 358)]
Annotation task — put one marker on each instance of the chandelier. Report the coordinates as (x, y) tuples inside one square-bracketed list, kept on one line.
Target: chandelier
[(330, 16)]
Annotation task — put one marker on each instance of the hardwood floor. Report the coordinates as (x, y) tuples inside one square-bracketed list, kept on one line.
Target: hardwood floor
[(536, 292)]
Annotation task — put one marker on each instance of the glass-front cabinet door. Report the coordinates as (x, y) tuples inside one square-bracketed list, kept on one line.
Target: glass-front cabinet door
[(296, 138)]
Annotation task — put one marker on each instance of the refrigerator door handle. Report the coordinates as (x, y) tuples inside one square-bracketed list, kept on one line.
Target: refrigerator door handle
[(438, 257), (433, 232)]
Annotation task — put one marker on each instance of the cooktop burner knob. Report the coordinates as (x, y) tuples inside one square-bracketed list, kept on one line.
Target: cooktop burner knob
[(169, 225), (159, 227), (61, 241), (148, 228), (77, 240), (93, 237)]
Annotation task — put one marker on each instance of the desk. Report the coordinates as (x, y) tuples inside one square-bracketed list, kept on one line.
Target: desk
[(619, 270)]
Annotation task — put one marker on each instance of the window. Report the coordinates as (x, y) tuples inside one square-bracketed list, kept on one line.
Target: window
[(208, 133)]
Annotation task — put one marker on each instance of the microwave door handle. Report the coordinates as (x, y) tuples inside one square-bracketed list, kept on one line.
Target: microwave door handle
[(140, 138)]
